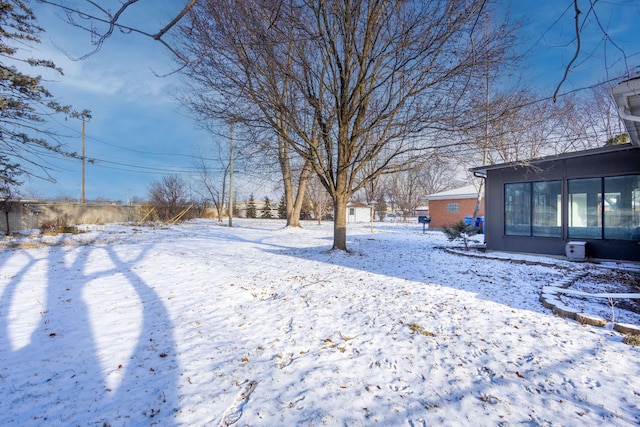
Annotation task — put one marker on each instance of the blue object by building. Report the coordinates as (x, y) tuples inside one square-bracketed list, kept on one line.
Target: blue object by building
[(479, 224)]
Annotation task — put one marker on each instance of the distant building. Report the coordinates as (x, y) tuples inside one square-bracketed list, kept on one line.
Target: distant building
[(358, 212), (422, 210), (451, 206)]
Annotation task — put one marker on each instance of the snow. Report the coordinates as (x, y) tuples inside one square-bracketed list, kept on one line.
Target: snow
[(200, 324), (598, 295)]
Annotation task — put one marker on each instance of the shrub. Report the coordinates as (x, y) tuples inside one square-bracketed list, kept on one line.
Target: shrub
[(460, 230)]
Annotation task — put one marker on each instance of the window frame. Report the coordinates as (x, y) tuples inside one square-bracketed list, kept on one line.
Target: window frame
[(453, 207), (531, 211)]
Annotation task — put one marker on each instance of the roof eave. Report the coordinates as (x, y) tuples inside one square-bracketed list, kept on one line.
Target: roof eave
[(627, 98)]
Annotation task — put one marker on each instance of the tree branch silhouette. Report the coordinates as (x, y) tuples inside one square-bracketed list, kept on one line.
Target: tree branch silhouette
[(112, 20)]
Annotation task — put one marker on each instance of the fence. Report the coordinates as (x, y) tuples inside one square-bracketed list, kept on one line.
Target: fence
[(27, 215)]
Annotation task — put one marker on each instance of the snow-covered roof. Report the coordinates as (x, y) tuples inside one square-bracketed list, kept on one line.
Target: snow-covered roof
[(466, 192), (356, 204)]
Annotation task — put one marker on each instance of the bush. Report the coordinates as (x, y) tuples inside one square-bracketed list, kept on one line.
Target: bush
[(460, 230)]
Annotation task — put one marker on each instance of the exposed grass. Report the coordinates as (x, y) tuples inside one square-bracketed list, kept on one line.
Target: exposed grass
[(632, 339), (420, 330)]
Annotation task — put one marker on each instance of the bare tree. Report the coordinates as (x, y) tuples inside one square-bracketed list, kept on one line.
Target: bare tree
[(408, 190), (438, 173), (518, 129), (344, 83), (214, 95), (169, 196), (213, 181), (509, 128), (587, 120), (612, 52), (375, 187), (319, 199)]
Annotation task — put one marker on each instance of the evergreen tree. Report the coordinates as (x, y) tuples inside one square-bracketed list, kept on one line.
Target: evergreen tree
[(381, 208), (252, 212), (266, 210), (622, 138), (460, 230), (282, 208), (8, 182), (24, 102), (307, 209)]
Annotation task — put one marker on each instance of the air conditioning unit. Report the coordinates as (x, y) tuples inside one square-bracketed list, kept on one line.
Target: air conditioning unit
[(576, 250)]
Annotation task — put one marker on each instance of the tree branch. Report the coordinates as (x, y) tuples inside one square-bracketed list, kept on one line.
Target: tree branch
[(112, 22), (575, 56)]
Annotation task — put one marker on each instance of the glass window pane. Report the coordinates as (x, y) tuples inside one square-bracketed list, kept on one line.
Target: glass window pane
[(547, 209), (585, 208), (517, 209), (622, 207), (453, 207)]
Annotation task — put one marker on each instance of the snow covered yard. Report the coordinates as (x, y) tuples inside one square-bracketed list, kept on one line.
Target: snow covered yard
[(200, 324)]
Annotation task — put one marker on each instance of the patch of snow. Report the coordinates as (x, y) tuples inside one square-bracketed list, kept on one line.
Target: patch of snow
[(202, 324)]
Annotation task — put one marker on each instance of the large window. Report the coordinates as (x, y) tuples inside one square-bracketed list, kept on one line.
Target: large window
[(622, 207), (547, 209), (517, 209), (533, 209), (453, 207), (585, 201), (616, 216)]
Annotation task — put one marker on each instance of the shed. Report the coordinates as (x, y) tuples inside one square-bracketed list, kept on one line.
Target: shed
[(358, 212)]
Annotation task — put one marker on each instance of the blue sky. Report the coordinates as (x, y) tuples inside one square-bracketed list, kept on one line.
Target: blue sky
[(547, 33), (139, 132)]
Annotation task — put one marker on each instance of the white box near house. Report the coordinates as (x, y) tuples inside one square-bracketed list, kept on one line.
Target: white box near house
[(576, 250)]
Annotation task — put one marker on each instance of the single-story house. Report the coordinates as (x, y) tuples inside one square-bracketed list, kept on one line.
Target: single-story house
[(580, 204), (451, 206), (590, 198), (358, 212), (422, 210)]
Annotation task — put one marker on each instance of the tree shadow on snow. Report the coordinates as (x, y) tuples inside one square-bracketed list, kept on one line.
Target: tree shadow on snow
[(426, 262), (78, 361)]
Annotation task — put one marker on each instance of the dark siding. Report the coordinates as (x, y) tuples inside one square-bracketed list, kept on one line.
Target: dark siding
[(622, 162)]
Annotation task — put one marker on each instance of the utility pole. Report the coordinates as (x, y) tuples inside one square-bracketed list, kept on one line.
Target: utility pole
[(83, 160), (231, 177)]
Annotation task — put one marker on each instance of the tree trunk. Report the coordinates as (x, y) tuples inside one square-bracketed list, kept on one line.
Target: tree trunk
[(305, 176), (476, 210), (288, 197), (340, 222), (284, 157), (6, 215)]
